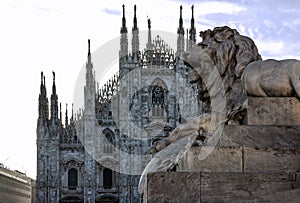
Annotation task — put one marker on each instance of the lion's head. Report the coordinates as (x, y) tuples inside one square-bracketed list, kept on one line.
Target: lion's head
[(224, 47), (222, 53)]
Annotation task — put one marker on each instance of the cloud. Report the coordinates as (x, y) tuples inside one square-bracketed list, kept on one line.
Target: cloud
[(218, 7), (274, 26), (39, 8), (112, 11)]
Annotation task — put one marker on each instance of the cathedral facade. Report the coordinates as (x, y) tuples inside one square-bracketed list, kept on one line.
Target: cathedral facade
[(99, 153)]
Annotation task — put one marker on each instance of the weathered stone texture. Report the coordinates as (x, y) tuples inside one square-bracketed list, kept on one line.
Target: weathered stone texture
[(243, 187), (290, 196), (173, 187), (249, 149), (273, 111), (244, 159), (260, 136), (219, 187), (271, 160), (222, 159)]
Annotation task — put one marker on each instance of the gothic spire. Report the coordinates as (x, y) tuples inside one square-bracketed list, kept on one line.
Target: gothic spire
[(89, 51), (54, 105), (53, 86), (192, 20), (60, 116), (149, 35), (134, 20), (89, 89), (44, 89), (42, 102), (192, 29), (42, 84), (135, 39), (46, 101), (66, 116), (149, 24), (180, 28), (89, 68), (72, 112), (123, 28), (180, 38), (123, 53)]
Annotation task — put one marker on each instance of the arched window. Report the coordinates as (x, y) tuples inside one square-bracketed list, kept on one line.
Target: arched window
[(109, 141), (158, 101), (107, 178), (72, 179), (109, 137), (158, 96)]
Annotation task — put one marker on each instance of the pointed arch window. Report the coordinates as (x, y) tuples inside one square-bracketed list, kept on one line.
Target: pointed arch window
[(109, 141), (158, 101), (107, 178), (158, 96), (72, 178)]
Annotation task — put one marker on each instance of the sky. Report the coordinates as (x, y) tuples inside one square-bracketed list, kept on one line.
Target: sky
[(51, 35)]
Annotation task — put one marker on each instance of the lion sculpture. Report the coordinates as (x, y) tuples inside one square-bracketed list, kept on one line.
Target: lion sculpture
[(272, 78), (242, 71), (227, 68)]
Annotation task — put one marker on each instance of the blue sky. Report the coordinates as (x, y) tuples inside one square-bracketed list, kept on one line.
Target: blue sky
[(44, 35)]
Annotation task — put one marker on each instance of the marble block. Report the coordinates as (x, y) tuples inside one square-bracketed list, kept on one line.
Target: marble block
[(273, 111), (195, 187)]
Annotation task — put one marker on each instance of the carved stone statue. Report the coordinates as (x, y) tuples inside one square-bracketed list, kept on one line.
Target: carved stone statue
[(226, 67), (226, 51), (272, 78)]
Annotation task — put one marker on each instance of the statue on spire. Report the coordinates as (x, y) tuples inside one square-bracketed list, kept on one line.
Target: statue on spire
[(123, 28), (192, 36), (134, 20), (42, 77), (180, 28), (89, 46), (149, 23)]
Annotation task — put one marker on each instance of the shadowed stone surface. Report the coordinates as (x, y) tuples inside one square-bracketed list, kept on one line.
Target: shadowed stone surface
[(260, 136), (271, 160), (243, 187), (173, 187), (222, 159), (273, 111), (243, 159), (249, 148), (290, 196), (219, 187)]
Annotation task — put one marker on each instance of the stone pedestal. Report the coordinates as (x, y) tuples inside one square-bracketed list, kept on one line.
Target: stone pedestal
[(257, 162), (195, 187), (250, 149)]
